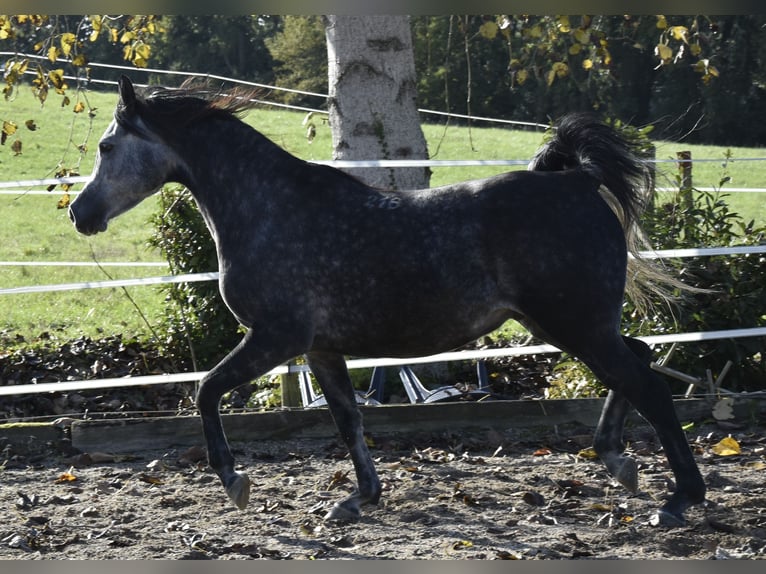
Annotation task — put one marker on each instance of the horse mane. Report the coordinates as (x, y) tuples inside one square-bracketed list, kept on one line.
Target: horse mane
[(194, 100)]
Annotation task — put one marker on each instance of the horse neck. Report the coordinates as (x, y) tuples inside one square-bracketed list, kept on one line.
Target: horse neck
[(234, 177)]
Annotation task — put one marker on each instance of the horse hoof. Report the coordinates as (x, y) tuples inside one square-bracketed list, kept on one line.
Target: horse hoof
[(626, 473), (238, 490), (344, 512), (667, 519)]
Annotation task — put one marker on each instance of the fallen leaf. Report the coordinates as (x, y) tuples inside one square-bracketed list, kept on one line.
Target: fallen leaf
[(149, 479), (66, 477), (589, 453), (727, 447), (541, 452)]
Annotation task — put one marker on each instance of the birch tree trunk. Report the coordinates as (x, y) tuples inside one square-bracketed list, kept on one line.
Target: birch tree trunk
[(373, 109)]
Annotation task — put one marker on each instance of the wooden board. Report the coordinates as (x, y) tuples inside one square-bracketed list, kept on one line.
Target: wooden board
[(132, 435)]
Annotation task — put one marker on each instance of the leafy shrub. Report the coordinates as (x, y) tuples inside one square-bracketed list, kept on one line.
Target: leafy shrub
[(197, 327), (736, 287)]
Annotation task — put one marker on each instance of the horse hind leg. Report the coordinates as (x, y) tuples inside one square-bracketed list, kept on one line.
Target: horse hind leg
[(332, 375), (628, 374), (622, 365), (608, 438)]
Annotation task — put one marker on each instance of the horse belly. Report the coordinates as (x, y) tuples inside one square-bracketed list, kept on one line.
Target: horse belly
[(408, 328)]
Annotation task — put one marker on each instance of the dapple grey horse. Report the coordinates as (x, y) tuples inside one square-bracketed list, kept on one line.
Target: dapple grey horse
[(313, 262)]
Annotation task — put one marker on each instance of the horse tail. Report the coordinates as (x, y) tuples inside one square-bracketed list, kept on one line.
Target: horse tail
[(583, 141)]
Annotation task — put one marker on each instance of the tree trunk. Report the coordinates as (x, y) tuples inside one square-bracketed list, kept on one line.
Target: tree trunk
[(373, 110)]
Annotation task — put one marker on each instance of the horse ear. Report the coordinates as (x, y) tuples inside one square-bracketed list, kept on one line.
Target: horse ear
[(127, 93)]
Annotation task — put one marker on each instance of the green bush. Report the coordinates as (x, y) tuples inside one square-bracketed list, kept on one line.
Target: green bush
[(198, 329), (735, 288)]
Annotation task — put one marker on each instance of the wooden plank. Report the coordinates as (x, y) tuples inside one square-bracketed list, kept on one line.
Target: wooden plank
[(29, 438), (131, 435)]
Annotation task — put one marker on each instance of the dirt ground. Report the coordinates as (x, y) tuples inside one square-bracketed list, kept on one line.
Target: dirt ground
[(490, 496)]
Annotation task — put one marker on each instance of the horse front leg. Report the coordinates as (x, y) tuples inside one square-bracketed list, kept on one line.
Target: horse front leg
[(254, 356), (332, 375)]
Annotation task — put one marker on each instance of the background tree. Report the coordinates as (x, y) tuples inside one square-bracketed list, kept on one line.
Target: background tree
[(232, 46), (300, 58), (373, 92)]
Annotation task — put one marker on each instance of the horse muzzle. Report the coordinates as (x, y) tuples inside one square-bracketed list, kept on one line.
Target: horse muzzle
[(84, 224)]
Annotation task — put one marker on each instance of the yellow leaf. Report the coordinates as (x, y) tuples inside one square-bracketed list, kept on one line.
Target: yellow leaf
[(9, 128), (521, 76), (462, 544), (589, 452), (587, 63), (79, 60), (551, 77), (53, 53), (564, 25), (66, 477), (679, 32), (727, 447), (695, 49), (601, 507), (662, 23), (67, 41), (63, 202), (113, 36), (756, 465), (143, 51), (536, 31), (663, 51), (57, 78), (127, 37), (78, 107), (581, 36), (95, 22), (488, 29), (575, 49), (561, 69)]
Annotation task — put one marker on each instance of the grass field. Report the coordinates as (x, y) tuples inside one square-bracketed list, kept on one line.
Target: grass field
[(34, 229)]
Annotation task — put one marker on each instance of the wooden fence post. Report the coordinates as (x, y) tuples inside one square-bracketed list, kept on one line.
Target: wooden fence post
[(685, 181), (291, 392)]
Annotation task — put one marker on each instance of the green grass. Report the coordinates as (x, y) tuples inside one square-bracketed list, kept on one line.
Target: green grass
[(34, 229)]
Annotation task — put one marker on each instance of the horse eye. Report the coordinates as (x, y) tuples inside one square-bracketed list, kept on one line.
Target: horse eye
[(105, 147)]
